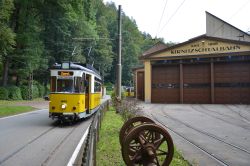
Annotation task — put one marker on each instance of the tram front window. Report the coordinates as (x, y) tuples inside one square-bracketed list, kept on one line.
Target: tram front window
[(65, 85)]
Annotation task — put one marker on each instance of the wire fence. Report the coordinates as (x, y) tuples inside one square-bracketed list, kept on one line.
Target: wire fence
[(87, 153)]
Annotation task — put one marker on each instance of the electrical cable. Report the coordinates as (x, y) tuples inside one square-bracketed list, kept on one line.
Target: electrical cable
[(161, 18), (173, 15)]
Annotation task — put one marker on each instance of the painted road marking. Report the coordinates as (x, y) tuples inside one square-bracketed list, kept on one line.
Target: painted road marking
[(78, 147)]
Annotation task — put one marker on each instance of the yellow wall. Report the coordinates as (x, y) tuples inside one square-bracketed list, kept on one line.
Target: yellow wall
[(147, 66), (95, 100)]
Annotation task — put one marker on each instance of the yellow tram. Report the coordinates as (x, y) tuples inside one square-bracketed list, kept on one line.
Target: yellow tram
[(75, 91), (129, 92)]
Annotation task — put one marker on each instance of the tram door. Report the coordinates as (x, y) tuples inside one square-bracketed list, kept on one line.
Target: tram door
[(87, 93)]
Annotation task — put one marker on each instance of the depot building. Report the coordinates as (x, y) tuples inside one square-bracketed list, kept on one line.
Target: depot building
[(211, 68)]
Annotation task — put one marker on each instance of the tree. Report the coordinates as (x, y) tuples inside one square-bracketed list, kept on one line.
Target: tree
[(27, 55), (7, 36)]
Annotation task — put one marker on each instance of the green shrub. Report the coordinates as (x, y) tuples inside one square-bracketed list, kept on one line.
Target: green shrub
[(109, 86), (41, 89), (15, 93), (117, 102), (4, 93), (35, 91), (25, 92), (47, 90)]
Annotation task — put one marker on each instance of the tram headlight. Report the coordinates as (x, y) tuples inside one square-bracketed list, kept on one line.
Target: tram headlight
[(64, 106)]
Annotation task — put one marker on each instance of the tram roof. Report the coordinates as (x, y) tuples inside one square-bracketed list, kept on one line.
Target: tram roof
[(77, 66)]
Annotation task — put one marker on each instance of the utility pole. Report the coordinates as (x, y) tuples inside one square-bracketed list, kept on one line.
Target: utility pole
[(119, 65)]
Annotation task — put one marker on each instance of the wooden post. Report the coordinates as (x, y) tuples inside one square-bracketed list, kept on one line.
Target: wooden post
[(212, 80), (181, 83), (119, 65)]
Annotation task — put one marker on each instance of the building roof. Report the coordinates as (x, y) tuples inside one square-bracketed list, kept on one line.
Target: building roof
[(217, 27), (157, 47), (201, 37), (214, 32)]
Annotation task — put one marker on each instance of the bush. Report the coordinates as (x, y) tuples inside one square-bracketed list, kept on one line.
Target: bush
[(41, 89), (25, 92), (35, 91), (127, 108), (109, 86), (14, 93), (47, 90), (4, 93), (115, 101)]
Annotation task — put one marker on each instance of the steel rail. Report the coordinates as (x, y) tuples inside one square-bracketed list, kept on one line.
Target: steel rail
[(220, 161)]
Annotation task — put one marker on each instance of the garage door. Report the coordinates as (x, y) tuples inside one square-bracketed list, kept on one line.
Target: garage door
[(140, 85), (196, 82), (165, 84), (232, 83)]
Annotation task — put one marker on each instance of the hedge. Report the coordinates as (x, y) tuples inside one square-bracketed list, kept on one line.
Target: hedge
[(15, 93), (41, 89), (4, 93), (35, 91), (22, 93), (25, 92)]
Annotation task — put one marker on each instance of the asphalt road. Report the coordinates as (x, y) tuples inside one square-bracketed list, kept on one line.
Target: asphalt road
[(33, 139), (206, 134)]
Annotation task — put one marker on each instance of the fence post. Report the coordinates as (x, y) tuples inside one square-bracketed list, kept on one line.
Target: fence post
[(94, 147)]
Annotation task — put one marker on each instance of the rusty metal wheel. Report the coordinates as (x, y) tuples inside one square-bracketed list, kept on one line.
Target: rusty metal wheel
[(131, 123), (148, 144)]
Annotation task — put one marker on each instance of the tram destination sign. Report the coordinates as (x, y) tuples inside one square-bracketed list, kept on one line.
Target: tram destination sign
[(65, 73)]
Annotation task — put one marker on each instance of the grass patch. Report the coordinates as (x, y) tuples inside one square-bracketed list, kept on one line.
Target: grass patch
[(108, 148), (7, 110), (9, 107), (109, 93), (13, 102)]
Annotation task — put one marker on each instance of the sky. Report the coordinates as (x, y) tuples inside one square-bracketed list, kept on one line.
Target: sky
[(180, 20)]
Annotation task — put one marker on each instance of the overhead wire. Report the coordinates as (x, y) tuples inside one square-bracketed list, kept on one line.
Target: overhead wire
[(173, 15), (163, 11)]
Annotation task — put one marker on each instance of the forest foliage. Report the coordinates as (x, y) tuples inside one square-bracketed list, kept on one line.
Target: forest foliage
[(34, 34)]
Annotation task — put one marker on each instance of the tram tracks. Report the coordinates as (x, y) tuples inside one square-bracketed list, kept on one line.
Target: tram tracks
[(45, 162), (209, 135), (40, 137), (209, 154), (221, 114), (222, 160), (239, 112), (24, 146)]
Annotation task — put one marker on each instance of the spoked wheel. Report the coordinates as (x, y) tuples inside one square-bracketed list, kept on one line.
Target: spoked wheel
[(148, 145), (131, 123)]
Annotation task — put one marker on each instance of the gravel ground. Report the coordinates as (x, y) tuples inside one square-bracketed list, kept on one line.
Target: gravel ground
[(36, 104)]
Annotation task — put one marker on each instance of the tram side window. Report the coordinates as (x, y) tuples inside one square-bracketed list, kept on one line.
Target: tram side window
[(97, 87), (53, 84), (78, 84)]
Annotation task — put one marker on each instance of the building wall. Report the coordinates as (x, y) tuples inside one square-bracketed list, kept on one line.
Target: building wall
[(216, 27), (147, 66)]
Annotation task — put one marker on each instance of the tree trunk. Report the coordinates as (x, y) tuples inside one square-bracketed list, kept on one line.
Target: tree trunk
[(5, 72), (30, 85)]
